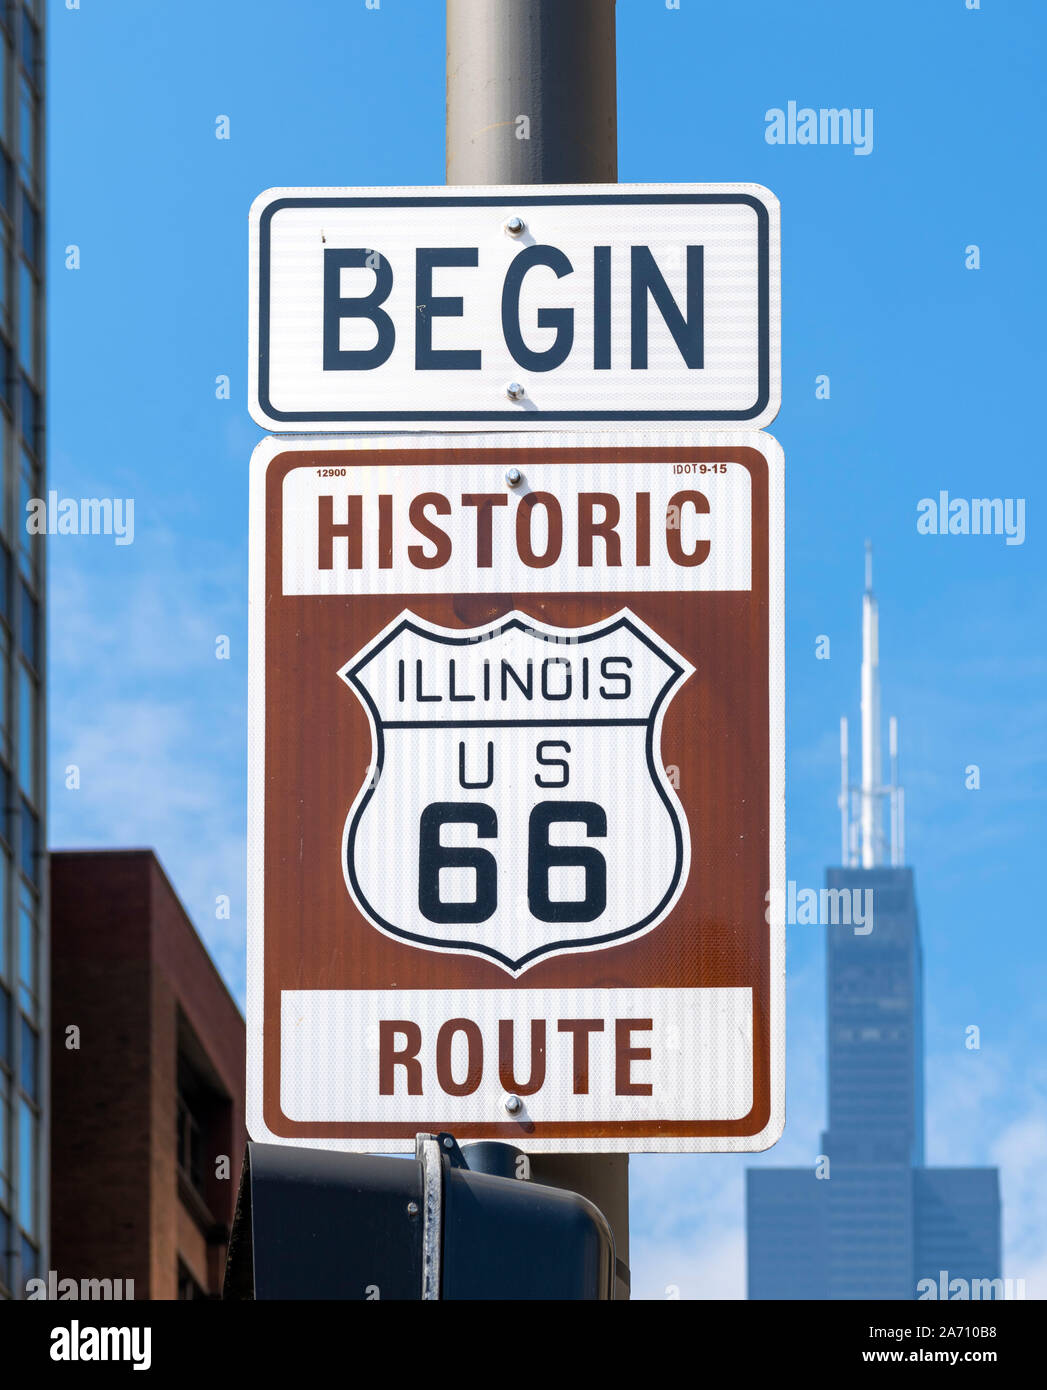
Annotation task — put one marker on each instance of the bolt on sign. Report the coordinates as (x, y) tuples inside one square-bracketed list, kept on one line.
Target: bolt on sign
[(516, 790), (446, 308)]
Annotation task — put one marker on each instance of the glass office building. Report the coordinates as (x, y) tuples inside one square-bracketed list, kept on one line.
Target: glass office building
[(875, 1222), (870, 1221), (874, 1001), (24, 1020)]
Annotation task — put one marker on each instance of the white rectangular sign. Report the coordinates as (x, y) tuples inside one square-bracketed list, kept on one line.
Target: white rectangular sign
[(516, 790), (338, 527), (453, 308), (643, 1065)]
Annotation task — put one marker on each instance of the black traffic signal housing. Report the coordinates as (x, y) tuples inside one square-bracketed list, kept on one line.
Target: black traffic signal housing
[(313, 1224)]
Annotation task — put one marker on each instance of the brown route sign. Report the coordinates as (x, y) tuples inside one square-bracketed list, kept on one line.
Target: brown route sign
[(516, 790)]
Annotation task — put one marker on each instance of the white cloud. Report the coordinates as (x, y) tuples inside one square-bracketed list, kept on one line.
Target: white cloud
[(155, 725), (687, 1211), (1021, 1152), (699, 1265)]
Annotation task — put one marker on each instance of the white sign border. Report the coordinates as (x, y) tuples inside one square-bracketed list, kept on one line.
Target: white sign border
[(682, 436), (514, 196)]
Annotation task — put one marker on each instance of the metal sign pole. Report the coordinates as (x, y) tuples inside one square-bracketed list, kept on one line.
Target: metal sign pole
[(531, 92), (532, 98)]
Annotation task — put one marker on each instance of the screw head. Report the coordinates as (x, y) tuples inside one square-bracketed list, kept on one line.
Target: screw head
[(515, 391), (412, 1208), (513, 477), (515, 225), (513, 1104), (448, 1142)]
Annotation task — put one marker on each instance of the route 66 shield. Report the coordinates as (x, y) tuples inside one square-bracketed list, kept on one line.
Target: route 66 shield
[(516, 806)]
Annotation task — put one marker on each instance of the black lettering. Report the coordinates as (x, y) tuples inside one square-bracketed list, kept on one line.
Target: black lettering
[(688, 329), (609, 675), (547, 692), (430, 306), (526, 686), (560, 319), (543, 761), (338, 307)]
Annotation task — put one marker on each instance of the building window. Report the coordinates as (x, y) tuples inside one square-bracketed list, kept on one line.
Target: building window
[(27, 701), (30, 1059), (190, 1146), (30, 627), (30, 47), (28, 1168), (5, 808), (30, 1261), (27, 952), (30, 231), (27, 131), (30, 847), (4, 966), (5, 1246), (5, 1146), (31, 421), (5, 263), (6, 459), (5, 374), (188, 1289), (27, 317), (27, 544), (5, 720), (204, 1129)]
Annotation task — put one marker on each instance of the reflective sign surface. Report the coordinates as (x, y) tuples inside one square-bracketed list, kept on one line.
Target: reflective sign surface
[(516, 790)]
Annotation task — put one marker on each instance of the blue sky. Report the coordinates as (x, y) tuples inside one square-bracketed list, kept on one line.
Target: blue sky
[(935, 372)]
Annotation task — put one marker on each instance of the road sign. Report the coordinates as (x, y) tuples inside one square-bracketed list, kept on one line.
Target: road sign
[(516, 790), (517, 307)]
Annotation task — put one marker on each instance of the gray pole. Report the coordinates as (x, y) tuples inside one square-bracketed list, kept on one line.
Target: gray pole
[(532, 98), (531, 94)]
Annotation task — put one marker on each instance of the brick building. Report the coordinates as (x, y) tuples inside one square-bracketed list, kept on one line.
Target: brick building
[(152, 1098)]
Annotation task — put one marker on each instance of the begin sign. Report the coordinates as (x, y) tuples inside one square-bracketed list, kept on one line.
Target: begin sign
[(521, 307), (517, 791)]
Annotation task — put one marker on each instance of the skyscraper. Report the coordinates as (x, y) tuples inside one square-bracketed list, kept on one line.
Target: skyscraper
[(868, 1220), (24, 1013)]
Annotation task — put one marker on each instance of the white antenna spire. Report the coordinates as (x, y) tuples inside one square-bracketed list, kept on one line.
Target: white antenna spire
[(861, 808), (872, 768), (845, 796), (892, 741)]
